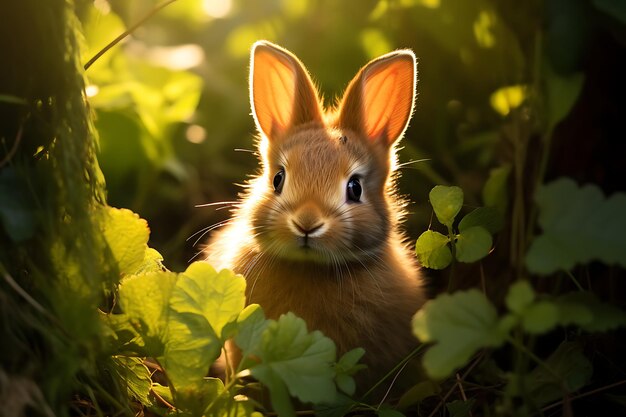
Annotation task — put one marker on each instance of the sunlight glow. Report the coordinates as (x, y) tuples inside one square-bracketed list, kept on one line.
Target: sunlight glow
[(196, 134), (180, 57), (217, 8), (91, 90), (103, 6)]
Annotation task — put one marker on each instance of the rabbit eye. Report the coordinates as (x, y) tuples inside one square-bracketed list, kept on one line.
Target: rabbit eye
[(279, 180), (354, 189)]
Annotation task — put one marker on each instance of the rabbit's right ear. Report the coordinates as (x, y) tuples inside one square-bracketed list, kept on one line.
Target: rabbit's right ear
[(282, 94)]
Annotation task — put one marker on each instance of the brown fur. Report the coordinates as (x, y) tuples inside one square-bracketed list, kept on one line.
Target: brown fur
[(357, 281)]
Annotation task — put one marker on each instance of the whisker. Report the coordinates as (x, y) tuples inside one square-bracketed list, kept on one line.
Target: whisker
[(217, 203), (413, 162)]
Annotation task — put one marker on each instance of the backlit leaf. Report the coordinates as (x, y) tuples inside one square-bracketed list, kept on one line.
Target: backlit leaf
[(432, 250), (127, 237), (447, 202), (579, 225), (473, 244), (488, 218), (458, 325), (295, 360)]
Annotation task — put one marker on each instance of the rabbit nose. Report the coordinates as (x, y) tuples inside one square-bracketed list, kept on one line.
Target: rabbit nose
[(308, 222), (307, 230)]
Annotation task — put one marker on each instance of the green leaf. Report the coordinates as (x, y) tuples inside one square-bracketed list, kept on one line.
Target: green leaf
[(127, 237), (145, 300), (540, 317), (251, 324), (587, 311), (495, 190), (346, 367), (520, 296), (567, 361), (218, 297), (488, 218), (152, 262), (579, 225), (293, 359), (432, 250), (561, 94), (191, 347), (459, 325), (418, 393), (447, 202), (473, 244), (136, 377)]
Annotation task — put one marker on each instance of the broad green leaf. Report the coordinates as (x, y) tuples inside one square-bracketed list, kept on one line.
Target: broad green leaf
[(585, 310), (458, 325), (495, 190), (127, 237), (520, 296), (152, 262), (134, 375), (293, 357), (540, 317), (346, 367), (339, 407), (473, 244), (488, 218), (561, 94), (191, 347), (567, 361), (447, 202), (145, 300), (196, 398), (579, 225), (218, 297), (121, 334), (432, 250), (250, 326), (418, 393)]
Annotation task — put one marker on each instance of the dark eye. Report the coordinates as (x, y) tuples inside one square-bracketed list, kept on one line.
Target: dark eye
[(354, 189), (279, 180)]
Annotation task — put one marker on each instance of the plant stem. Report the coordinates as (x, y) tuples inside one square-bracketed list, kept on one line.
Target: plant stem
[(398, 366), (574, 280), (127, 32), (451, 237)]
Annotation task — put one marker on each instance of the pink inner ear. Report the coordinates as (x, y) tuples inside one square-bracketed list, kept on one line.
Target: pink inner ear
[(274, 84), (388, 99)]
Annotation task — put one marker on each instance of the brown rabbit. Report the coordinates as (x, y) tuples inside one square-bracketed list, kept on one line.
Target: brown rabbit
[(317, 231)]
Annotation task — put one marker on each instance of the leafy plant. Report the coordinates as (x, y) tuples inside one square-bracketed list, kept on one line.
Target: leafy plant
[(471, 243)]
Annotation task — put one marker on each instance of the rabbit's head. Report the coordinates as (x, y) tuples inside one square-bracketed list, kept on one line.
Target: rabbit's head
[(326, 191)]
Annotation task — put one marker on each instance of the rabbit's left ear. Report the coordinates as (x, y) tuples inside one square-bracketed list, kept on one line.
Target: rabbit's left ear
[(282, 94), (379, 100)]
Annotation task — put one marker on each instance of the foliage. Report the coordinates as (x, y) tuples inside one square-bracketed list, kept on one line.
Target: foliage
[(473, 240)]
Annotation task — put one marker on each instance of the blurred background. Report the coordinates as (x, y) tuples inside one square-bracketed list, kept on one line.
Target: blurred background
[(174, 121)]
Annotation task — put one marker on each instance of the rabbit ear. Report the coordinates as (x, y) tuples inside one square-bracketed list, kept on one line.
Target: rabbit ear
[(379, 100), (282, 94)]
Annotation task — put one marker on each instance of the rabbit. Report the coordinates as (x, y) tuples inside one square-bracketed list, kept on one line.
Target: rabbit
[(317, 231)]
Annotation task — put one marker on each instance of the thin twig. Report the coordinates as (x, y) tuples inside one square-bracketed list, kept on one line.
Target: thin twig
[(393, 381), (13, 150), (585, 394), (127, 32), (459, 382)]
